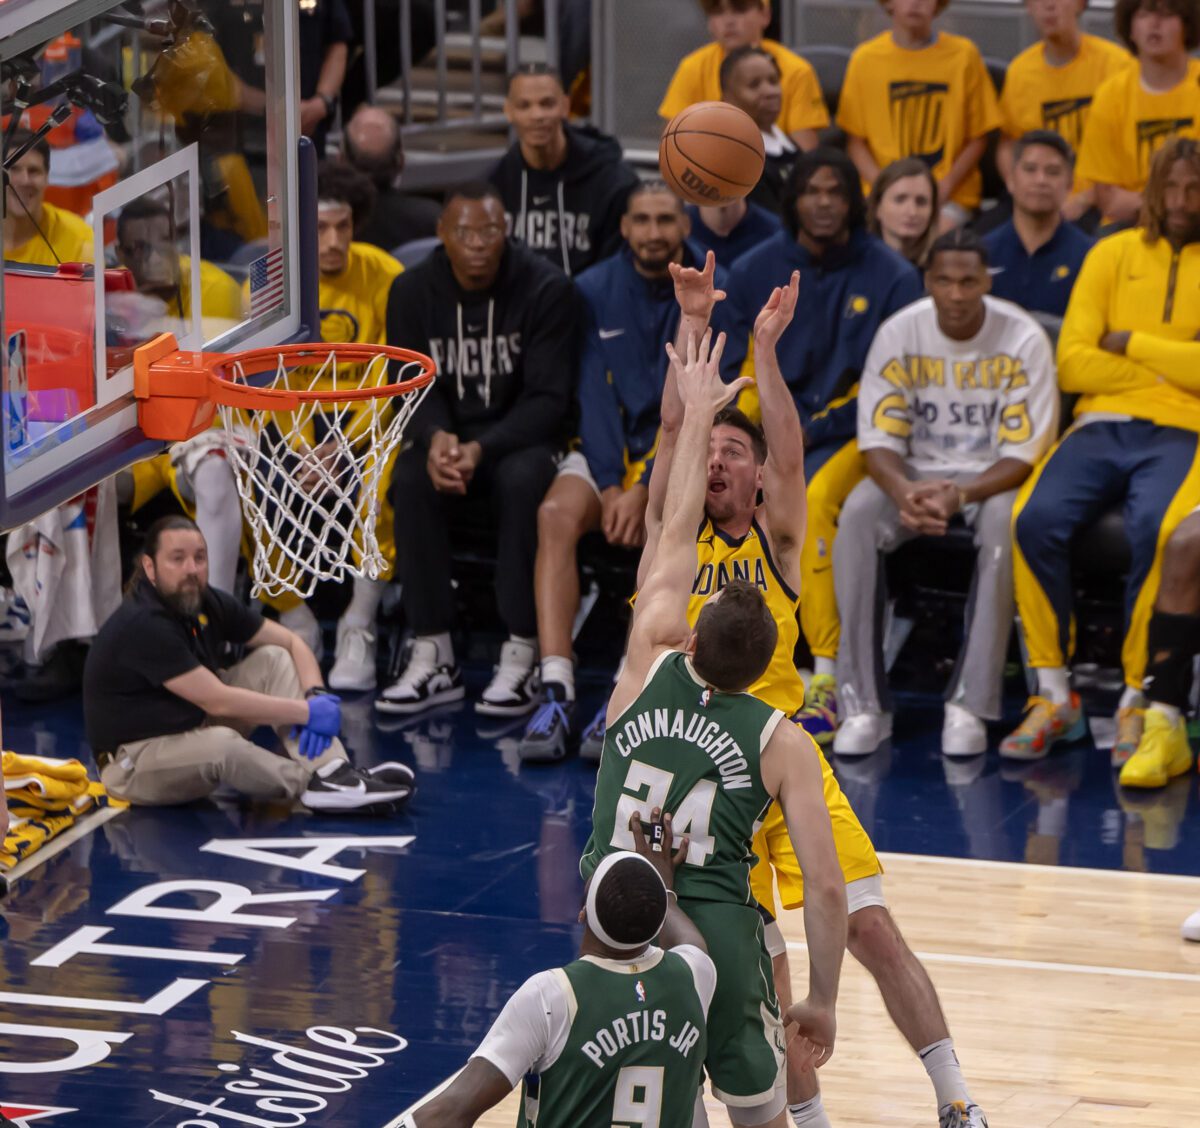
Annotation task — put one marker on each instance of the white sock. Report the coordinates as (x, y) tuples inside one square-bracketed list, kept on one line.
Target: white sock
[(1132, 698), (445, 647), (364, 603), (1053, 684), (941, 1063), (560, 670), (300, 619), (219, 515), (824, 667), (809, 1114), (1169, 711)]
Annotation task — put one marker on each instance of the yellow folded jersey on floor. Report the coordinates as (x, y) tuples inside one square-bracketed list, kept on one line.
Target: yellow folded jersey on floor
[(45, 798)]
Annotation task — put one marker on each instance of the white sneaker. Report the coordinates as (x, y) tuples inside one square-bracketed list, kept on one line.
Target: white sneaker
[(301, 621), (1191, 928), (423, 684), (861, 733), (963, 733), (355, 664), (515, 686)]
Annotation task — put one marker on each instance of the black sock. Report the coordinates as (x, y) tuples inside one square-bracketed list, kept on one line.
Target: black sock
[(1172, 643)]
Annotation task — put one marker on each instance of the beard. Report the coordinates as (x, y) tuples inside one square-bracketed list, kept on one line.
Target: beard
[(185, 600)]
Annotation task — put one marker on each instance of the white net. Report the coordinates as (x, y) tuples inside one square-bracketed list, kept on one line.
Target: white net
[(313, 480)]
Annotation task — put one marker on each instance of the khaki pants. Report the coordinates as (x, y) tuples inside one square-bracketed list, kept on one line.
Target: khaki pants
[(190, 765)]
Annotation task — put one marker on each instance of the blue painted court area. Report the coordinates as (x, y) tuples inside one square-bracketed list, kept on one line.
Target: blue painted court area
[(378, 964)]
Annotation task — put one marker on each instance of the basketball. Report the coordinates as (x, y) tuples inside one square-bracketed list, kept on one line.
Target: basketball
[(711, 153)]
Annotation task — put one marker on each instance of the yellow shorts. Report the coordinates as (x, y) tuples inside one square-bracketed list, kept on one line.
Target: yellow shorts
[(774, 848)]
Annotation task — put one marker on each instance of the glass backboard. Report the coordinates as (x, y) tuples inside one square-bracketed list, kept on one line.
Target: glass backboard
[(155, 181)]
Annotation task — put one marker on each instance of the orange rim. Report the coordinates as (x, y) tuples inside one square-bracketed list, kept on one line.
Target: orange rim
[(224, 388)]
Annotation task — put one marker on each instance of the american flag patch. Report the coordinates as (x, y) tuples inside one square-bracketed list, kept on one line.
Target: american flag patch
[(266, 282)]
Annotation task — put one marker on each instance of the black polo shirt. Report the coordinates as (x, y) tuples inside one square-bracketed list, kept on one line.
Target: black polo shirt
[(146, 643)]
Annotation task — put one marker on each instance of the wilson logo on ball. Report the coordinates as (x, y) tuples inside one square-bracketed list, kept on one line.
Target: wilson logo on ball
[(690, 180)]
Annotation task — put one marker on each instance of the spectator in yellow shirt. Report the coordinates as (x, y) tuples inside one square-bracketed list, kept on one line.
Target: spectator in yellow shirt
[(741, 23), (917, 92), (36, 232), (1050, 86), (1137, 109)]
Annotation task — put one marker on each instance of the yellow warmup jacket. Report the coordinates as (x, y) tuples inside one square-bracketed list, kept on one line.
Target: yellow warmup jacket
[(1153, 292)]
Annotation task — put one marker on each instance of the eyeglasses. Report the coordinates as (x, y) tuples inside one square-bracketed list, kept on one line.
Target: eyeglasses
[(489, 233)]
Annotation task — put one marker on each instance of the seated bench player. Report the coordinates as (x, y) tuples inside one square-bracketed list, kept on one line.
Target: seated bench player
[(957, 403), (631, 316)]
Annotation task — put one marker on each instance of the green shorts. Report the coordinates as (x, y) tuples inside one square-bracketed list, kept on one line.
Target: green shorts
[(746, 1050)]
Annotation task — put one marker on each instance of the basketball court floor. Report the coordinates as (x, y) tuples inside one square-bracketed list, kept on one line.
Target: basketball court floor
[(211, 965)]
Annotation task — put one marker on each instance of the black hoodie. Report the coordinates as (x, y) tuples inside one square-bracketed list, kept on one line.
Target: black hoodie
[(571, 215), (506, 356)]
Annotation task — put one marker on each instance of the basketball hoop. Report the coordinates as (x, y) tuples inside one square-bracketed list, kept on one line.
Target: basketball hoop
[(310, 447)]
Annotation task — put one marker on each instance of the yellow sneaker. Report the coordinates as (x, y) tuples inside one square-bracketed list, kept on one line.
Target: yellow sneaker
[(1162, 753), (1130, 726)]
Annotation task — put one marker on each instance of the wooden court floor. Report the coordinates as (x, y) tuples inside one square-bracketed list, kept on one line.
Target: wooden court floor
[(1072, 1000)]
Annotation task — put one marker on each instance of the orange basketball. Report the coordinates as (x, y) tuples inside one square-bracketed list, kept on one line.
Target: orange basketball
[(711, 153)]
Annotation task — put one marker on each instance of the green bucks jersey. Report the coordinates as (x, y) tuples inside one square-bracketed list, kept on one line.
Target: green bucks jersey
[(695, 754), (634, 1048)]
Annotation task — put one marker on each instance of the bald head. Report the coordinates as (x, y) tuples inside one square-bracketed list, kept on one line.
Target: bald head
[(372, 145)]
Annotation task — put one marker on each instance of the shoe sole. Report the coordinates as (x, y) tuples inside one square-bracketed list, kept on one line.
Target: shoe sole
[(489, 709), (1157, 783), (883, 739), (340, 801), (1076, 732), (539, 754), (405, 708), (965, 751), (351, 685)]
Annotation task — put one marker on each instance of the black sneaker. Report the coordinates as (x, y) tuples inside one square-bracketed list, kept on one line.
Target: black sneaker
[(591, 743), (423, 684), (340, 788), (545, 739)]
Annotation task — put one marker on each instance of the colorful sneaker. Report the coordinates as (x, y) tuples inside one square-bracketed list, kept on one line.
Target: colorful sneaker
[(1045, 724), (1162, 753), (959, 1114), (818, 716), (591, 743), (1130, 725), (516, 680), (546, 735)]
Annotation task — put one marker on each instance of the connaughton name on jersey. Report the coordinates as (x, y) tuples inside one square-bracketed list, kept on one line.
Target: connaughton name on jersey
[(694, 728)]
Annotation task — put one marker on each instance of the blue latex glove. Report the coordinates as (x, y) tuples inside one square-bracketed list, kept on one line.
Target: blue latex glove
[(324, 723)]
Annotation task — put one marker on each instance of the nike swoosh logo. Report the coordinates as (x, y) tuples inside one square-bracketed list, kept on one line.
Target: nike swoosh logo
[(994, 270), (359, 788), (608, 334)]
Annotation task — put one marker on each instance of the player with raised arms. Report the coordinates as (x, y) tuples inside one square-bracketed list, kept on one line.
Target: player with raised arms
[(684, 736)]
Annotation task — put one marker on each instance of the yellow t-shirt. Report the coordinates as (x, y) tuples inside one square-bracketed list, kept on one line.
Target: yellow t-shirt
[(698, 79), (720, 559), (220, 298), (928, 103), (1127, 124), (354, 303), (70, 236), (1152, 292), (1038, 95)]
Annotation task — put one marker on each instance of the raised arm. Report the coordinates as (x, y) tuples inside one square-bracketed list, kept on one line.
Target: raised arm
[(697, 296), (783, 475), (660, 617)]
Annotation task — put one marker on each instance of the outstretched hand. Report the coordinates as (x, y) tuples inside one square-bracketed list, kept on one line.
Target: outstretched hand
[(698, 376), (694, 289), (777, 314)]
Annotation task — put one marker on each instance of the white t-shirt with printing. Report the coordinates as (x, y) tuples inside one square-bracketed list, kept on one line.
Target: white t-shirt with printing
[(949, 406)]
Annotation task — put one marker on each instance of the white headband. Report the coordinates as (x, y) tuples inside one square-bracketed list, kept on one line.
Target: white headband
[(594, 921)]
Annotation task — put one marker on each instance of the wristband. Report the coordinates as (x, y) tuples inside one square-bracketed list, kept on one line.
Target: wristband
[(331, 102), (316, 691)]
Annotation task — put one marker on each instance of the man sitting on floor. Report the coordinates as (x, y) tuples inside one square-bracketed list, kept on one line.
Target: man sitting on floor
[(169, 702)]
